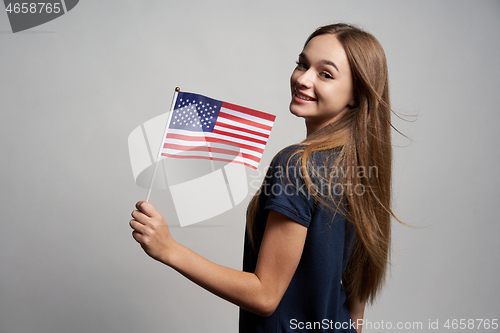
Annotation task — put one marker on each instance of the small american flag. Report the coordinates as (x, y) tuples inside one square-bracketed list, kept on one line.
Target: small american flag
[(202, 127)]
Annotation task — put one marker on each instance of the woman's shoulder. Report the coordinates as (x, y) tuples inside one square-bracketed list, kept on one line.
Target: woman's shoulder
[(288, 156), (291, 155), (294, 150)]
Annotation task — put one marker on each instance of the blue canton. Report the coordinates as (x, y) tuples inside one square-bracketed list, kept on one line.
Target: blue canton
[(195, 113)]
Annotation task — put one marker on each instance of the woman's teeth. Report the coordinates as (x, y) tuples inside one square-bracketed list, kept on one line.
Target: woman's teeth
[(299, 95)]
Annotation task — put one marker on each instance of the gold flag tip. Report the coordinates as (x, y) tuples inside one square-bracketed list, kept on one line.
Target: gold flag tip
[(177, 89)]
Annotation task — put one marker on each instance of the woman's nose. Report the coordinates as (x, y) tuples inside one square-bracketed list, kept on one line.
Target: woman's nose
[(306, 79)]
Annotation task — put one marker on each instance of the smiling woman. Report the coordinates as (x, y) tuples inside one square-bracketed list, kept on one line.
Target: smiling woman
[(321, 83), (313, 254)]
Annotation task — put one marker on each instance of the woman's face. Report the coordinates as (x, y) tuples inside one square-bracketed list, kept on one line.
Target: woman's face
[(321, 83)]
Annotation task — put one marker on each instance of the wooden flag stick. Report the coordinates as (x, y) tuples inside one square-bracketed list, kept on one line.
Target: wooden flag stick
[(174, 99)]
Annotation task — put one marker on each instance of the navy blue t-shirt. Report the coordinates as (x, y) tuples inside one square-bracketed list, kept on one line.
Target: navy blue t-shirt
[(315, 299)]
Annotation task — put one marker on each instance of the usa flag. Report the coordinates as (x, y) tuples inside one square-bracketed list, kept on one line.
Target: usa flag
[(202, 127)]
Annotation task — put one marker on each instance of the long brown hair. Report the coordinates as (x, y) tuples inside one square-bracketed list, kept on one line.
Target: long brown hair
[(362, 139)]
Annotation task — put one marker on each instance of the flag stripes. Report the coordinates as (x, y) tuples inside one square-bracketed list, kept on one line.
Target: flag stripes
[(187, 139)]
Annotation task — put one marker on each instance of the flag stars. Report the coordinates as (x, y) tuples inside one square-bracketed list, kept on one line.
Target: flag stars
[(195, 114)]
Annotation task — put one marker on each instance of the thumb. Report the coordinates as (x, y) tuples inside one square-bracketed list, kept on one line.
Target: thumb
[(147, 208)]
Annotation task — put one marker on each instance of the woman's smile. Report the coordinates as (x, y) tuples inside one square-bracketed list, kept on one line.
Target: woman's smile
[(301, 97)]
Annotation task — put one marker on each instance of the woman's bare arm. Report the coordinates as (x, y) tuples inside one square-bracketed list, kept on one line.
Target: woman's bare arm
[(356, 310), (258, 292)]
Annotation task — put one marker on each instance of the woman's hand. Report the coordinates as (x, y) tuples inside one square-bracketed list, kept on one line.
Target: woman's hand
[(151, 231)]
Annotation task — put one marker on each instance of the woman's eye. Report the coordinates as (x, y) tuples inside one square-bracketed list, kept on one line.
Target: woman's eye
[(326, 75), (301, 65)]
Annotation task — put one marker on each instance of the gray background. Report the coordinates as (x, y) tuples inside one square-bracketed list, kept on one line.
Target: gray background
[(73, 89)]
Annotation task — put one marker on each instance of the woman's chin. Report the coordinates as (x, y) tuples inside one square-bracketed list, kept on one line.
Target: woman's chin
[(296, 111)]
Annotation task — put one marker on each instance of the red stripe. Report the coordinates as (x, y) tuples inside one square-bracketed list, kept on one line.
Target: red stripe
[(208, 158), (185, 137), (251, 112), (237, 136), (244, 121), (210, 139), (236, 128), (250, 157)]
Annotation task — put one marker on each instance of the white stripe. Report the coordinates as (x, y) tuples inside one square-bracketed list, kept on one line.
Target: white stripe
[(200, 153), (251, 152), (186, 132), (186, 142), (225, 129), (185, 152), (247, 116)]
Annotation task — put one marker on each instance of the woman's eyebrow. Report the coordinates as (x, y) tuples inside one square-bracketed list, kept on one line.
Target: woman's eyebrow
[(328, 62), (325, 62)]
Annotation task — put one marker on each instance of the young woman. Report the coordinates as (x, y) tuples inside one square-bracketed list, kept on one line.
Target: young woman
[(318, 230)]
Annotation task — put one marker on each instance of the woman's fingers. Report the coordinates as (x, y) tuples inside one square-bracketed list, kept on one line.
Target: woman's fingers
[(150, 230), (137, 226), (147, 208), (140, 216), (136, 235)]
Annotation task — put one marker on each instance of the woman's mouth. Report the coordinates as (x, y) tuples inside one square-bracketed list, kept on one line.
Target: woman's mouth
[(303, 97)]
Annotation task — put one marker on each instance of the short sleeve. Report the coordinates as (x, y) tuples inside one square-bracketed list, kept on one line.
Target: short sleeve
[(285, 190)]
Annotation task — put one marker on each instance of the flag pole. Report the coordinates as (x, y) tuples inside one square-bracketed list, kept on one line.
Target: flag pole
[(174, 99)]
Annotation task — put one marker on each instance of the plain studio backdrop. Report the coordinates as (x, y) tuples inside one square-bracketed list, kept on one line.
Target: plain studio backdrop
[(73, 89)]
